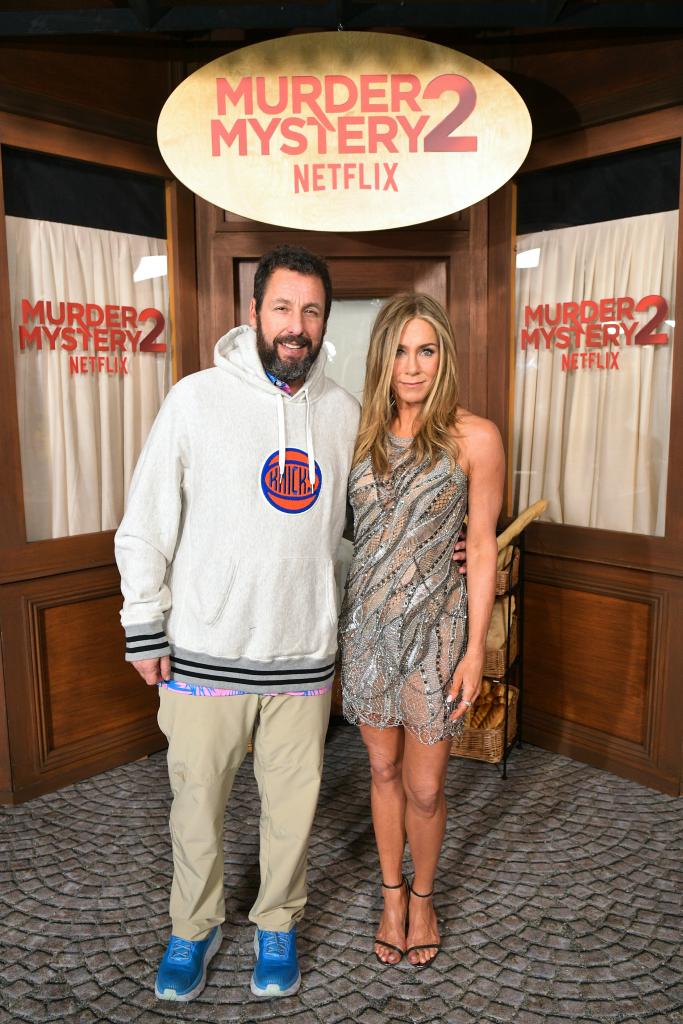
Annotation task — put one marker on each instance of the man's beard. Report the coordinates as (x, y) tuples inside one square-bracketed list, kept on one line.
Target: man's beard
[(282, 368)]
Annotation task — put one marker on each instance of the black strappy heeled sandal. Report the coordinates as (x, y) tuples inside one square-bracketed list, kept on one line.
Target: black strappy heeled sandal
[(390, 945), (425, 945)]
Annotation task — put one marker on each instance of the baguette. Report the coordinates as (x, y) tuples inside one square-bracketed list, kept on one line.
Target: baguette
[(494, 718), (479, 713), (522, 520)]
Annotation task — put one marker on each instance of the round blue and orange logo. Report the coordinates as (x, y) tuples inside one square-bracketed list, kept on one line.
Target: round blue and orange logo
[(292, 492)]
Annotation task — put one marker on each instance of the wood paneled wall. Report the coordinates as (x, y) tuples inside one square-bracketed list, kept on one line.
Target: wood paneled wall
[(574, 79), (603, 661), (73, 707), (69, 705), (604, 651), (112, 86)]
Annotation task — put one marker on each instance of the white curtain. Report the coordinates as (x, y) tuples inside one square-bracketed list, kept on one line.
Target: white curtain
[(594, 442), (81, 433)]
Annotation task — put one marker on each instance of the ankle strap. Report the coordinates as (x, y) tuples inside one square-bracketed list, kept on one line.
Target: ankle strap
[(400, 885), (422, 895)]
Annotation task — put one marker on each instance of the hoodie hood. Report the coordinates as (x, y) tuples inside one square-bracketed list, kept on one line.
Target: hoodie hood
[(236, 353)]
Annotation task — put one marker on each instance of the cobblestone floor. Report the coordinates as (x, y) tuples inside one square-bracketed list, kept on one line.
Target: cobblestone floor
[(559, 897)]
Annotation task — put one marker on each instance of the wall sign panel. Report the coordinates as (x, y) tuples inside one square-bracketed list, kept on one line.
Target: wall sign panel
[(344, 131)]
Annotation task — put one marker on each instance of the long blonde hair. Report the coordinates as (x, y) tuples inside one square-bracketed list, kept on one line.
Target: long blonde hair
[(438, 415)]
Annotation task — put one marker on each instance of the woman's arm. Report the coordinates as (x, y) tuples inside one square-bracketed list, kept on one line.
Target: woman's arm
[(486, 460)]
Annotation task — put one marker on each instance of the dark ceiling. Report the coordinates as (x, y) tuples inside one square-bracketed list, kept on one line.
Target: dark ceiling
[(86, 17)]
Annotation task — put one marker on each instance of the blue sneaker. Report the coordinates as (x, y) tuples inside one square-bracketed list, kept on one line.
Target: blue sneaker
[(182, 971), (276, 971)]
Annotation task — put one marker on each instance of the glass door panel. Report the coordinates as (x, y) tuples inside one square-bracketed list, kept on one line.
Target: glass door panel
[(86, 250), (596, 272)]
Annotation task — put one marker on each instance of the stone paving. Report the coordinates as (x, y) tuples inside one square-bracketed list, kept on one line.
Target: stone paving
[(559, 897)]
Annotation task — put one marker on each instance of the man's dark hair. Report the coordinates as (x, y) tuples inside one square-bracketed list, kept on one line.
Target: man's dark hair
[(292, 257)]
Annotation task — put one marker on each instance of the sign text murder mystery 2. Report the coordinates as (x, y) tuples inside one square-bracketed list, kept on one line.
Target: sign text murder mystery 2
[(394, 114), (100, 339), (344, 131), (591, 333)]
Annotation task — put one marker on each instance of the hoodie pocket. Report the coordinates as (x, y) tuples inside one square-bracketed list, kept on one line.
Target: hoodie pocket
[(279, 607), (211, 591)]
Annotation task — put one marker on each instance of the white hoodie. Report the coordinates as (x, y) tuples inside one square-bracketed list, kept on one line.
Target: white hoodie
[(235, 512)]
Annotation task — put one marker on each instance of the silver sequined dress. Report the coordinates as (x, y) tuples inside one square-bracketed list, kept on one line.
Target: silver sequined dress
[(403, 623)]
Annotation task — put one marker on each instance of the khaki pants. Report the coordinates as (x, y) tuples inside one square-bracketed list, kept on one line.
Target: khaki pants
[(207, 742)]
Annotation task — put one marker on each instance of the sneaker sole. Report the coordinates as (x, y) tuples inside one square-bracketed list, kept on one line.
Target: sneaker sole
[(272, 991), (170, 995)]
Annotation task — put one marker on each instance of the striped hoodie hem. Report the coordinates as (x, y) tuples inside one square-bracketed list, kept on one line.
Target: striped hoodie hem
[(202, 670), (147, 640)]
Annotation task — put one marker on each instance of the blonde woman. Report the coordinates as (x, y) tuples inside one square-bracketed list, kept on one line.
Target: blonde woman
[(412, 633)]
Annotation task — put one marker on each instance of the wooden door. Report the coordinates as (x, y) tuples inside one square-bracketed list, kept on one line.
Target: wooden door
[(69, 705), (448, 259), (603, 648)]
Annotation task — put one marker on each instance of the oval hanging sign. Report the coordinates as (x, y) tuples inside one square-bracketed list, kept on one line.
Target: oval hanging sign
[(344, 131)]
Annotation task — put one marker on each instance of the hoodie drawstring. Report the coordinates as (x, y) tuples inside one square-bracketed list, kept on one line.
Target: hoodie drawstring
[(309, 442), (281, 437)]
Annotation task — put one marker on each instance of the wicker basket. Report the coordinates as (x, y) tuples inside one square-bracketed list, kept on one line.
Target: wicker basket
[(508, 576), (487, 744), (494, 660)]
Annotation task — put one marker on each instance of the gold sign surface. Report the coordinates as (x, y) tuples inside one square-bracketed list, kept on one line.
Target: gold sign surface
[(344, 131)]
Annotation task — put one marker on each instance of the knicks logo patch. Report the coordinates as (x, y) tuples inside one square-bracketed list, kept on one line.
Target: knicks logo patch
[(292, 492)]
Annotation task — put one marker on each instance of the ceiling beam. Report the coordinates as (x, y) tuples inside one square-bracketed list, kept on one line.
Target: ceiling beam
[(147, 12), (519, 14), (83, 22), (160, 17), (257, 17)]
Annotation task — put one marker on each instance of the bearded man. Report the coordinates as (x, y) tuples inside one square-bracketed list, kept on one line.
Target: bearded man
[(226, 554)]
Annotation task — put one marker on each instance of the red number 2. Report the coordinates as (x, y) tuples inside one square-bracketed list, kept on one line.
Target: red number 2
[(148, 344), (646, 335), (439, 139)]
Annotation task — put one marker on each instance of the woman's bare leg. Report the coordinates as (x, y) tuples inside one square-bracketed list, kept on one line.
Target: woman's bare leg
[(424, 775), (388, 804)]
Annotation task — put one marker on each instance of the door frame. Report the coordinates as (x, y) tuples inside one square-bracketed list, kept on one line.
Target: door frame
[(605, 567), (20, 558)]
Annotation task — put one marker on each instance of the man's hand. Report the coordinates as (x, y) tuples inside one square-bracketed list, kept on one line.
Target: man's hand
[(153, 670), (460, 551)]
